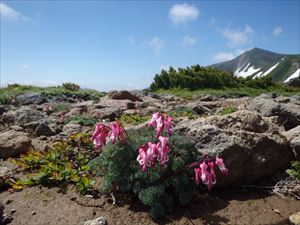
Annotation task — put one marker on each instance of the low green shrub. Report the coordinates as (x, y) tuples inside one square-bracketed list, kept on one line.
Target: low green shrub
[(294, 171), (71, 86), (64, 107), (227, 110), (133, 119), (66, 162), (160, 189), (82, 120)]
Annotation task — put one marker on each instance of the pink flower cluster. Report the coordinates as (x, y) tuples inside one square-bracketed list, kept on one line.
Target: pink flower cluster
[(161, 122), (114, 131), (151, 153), (206, 171)]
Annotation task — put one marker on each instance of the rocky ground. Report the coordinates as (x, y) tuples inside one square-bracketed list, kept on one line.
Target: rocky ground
[(257, 137)]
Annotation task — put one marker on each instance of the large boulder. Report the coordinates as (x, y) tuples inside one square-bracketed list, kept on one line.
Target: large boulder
[(13, 143), (250, 144), (288, 113), (30, 98), (293, 136), (26, 115), (123, 95)]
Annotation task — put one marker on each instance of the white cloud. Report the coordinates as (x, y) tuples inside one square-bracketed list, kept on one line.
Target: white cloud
[(131, 40), (25, 66), (183, 13), (237, 37), (225, 56), (277, 31), (9, 13), (188, 41), (155, 43)]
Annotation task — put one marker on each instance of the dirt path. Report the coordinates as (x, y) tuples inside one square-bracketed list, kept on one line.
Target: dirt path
[(52, 207)]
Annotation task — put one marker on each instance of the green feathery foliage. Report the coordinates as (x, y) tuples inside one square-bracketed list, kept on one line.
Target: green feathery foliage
[(158, 188)]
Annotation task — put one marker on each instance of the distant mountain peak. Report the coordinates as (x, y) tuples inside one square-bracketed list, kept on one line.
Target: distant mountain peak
[(258, 62)]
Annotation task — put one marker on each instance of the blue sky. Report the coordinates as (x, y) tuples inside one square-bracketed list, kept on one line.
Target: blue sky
[(109, 45)]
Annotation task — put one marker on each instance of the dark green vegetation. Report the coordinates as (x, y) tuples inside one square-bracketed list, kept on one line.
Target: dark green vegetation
[(66, 162), (294, 171), (227, 110), (8, 93), (133, 119), (197, 80), (160, 189), (82, 120)]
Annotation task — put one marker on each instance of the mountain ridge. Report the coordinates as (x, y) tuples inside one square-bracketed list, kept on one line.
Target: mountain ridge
[(258, 62)]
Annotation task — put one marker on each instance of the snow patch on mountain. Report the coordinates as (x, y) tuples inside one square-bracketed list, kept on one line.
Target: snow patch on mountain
[(294, 75), (247, 71), (270, 69)]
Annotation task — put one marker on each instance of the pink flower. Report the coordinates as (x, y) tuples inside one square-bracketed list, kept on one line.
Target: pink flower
[(116, 131), (213, 178), (221, 165), (144, 158), (161, 122), (99, 136), (168, 125), (152, 151), (197, 175), (152, 122), (205, 174), (163, 150)]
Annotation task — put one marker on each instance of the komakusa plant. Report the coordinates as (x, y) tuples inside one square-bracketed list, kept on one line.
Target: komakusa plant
[(161, 169)]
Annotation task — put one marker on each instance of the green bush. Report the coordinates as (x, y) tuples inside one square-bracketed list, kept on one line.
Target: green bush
[(227, 110), (294, 171), (71, 86), (64, 107), (160, 189), (197, 77), (82, 120), (133, 119)]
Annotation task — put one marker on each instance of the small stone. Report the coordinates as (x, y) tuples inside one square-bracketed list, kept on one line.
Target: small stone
[(295, 218), (89, 196), (276, 211), (98, 221), (12, 211), (33, 213)]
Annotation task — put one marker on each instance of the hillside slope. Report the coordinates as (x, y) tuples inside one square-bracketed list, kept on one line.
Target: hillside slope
[(259, 62)]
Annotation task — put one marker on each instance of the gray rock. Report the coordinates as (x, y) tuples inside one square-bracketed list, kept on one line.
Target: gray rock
[(250, 144), (16, 128), (71, 128), (43, 129), (74, 112), (295, 144), (288, 114), (292, 133), (13, 143), (123, 95), (295, 218), (98, 221), (26, 115), (30, 98)]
